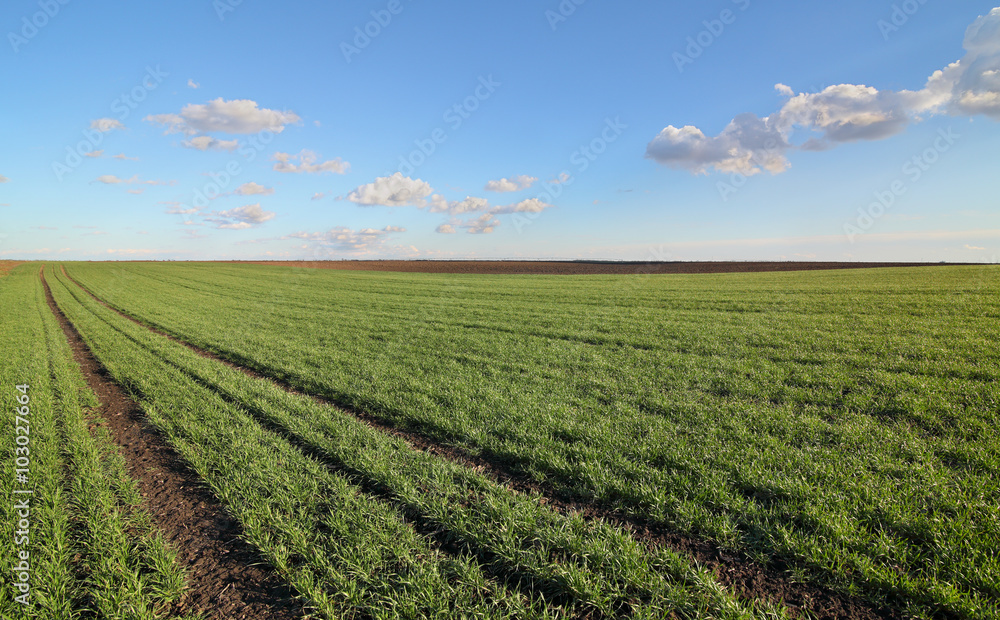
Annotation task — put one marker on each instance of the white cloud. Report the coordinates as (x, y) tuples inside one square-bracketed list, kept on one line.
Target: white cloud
[(482, 225), (531, 205), (122, 156), (239, 116), (345, 240), (110, 179), (105, 125), (207, 143), (253, 189), (446, 229), (176, 208), (135, 191), (193, 84), (94, 154), (393, 191), (318, 196), (469, 205), (973, 247), (841, 113), (511, 185), (3, 179), (239, 218), (307, 163), (746, 145)]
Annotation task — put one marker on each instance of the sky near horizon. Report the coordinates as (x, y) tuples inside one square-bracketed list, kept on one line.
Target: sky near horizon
[(720, 130)]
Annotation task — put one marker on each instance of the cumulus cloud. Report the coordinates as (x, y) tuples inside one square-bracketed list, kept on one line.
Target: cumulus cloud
[(446, 229), (345, 240), (392, 191), (105, 125), (841, 113), (207, 143), (318, 196), (482, 225), (469, 205), (253, 189), (243, 217), (284, 162), (176, 208), (746, 145), (238, 116), (110, 179), (511, 185), (531, 205), (193, 84)]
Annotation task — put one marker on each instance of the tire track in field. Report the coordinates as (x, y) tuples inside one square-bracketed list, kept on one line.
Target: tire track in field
[(226, 577), (744, 577)]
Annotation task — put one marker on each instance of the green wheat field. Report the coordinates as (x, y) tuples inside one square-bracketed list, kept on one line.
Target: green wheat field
[(839, 428)]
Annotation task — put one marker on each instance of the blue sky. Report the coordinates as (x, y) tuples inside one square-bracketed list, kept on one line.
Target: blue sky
[(731, 129)]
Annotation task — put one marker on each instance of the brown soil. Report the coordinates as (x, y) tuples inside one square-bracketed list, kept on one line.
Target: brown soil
[(227, 579), (576, 267), (748, 579), (7, 265)]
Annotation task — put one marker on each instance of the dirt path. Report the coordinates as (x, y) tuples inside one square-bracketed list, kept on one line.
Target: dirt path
[(749, 579), (227, 578)]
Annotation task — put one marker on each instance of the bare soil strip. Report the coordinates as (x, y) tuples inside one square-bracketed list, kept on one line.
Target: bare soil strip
[(227, 578), (7, 265), (503, 267), (750, 580)]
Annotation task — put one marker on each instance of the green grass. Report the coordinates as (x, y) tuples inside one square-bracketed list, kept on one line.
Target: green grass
[(92, 548), (844, 422), (326, 500)]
